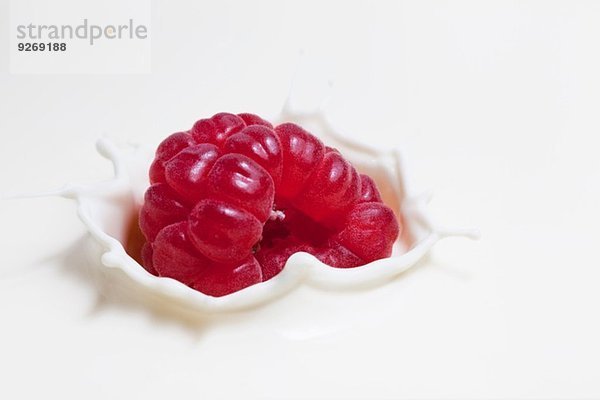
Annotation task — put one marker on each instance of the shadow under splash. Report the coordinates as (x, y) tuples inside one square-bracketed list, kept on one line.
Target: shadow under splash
[(114, 289)]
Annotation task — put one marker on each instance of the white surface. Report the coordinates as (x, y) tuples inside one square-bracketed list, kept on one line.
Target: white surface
[(495, 106)]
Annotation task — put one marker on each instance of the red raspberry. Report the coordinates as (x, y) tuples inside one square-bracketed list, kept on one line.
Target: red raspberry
[(302, 152), (161, 208), (223, 232), (216, 129), (369, 231), (232, 199), (368, 190), (236, 179), (260, 144), (175, 257), (186, 171), (334, 187), (167, 150)]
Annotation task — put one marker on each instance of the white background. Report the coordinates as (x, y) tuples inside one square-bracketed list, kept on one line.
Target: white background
[(494, 106)]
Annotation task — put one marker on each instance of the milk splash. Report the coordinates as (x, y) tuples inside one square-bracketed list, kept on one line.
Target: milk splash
[(107, 208)]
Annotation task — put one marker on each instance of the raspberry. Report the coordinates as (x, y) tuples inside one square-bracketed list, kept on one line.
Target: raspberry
[(167, 150), (273, 258), (368, 190), (236, 179), (186, 171), (175, 257), (216, 129), (302, 152), (223, 232), (369, 231), (232, 199), (335, 187), (161, 208), (260, 144), (251, 119)]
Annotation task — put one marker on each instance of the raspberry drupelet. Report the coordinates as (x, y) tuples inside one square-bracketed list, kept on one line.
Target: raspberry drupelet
[(233, 198)]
